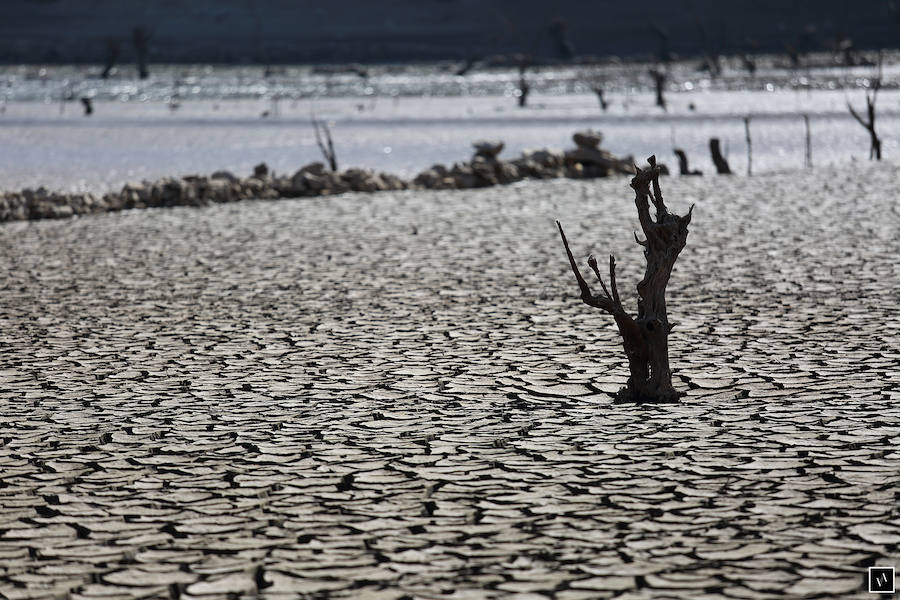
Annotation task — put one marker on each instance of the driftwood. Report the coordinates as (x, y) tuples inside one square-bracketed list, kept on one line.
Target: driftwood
[(718, 159), (645, 337), (869, 123)]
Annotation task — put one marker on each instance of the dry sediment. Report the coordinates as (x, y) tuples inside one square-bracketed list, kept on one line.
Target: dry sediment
[(398, 396)]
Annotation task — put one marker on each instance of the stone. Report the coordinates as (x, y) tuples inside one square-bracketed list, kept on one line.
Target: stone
[(261, 171), (488, 149), (227, 176), (588, 139)]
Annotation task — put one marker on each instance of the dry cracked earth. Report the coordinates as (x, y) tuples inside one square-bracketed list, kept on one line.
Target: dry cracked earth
[(401, 396)]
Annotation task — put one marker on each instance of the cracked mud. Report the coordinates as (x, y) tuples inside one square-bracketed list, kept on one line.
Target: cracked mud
[(400, 396)]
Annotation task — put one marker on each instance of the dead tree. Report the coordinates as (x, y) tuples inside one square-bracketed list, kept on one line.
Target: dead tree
[(326, 146), (663, 54), (603, 102), (564, 47), (659, 81), (869, 123), (749, 146), (749, 63), (718, 159), (140, 37), (112, 55), (88, 106), (808, 142), (645, 337), (524, 87), (467, 66), (683, 168)]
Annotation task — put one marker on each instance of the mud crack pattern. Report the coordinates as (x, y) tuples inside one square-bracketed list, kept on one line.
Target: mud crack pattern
[(400, 396)]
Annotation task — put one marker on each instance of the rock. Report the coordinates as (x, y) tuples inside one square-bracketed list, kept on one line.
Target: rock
[(113, 201), (488, 149), (360, 180), (316, 168), (261, 170), (218, 190), (588, 138), (228, 175), (284, 186), (602, 161), (484, 169), (299, 185), (428, 179), (392, 182), (545, 158)]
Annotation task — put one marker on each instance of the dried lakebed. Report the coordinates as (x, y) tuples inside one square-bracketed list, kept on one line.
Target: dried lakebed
[(400, 395)]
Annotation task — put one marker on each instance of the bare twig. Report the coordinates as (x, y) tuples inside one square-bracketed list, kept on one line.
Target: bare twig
[(869, 122), (326, 147)]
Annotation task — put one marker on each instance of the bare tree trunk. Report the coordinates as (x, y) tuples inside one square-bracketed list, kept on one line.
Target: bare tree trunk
[(646, 337), (141, 37), (603, 103), (659, 81), (112, 55), (749, 146), (683, 168), (715, 150), (869, 123), (808, 143), (663, 54), (326, 146)]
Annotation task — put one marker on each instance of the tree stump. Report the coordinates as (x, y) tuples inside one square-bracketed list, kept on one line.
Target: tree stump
[(718, 159), (645, 338)]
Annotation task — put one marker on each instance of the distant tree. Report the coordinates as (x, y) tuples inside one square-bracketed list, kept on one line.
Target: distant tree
[(599, 91), (659, 81), (140, 37), (524, 88), (663, 53), (558, 31), (111, 56), (869, 122), (468, 65), (326, 146)]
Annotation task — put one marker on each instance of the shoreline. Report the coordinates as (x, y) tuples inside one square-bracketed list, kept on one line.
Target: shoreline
[(485, 169)]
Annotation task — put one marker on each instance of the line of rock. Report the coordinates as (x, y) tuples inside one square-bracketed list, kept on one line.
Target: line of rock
[(485, 169)]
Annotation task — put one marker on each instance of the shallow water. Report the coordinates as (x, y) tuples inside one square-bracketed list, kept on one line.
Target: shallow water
[(198, 119)]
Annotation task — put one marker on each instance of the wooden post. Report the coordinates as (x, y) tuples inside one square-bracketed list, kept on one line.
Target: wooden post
[(749, 146), (808, 143)]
